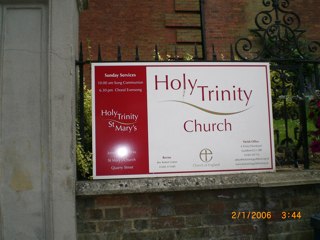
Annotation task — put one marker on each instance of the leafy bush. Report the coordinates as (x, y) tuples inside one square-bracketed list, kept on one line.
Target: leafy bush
[(283, 84), (84, 152), (290, 107), (84, 160), (314, 116)]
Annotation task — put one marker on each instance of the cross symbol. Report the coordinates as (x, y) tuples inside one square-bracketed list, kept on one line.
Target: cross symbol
[(205, 155)]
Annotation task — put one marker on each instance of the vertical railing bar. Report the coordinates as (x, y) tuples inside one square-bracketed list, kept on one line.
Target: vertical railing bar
[(203, 29), (99, 54), (196, 57), (231, 53), (214, 55), (119, 57), (175, 53), (156, 57), (137, 58), (316, 75), (277, 133), (296, 133), (303, 119), (285, 113), (106, 54), (81, 97)]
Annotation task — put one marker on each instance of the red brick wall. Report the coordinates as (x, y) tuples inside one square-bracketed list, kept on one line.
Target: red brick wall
[(171, 23), (226, 21), (308, 11), (198, 214), (126, 23), (143, 23), (130, 23)]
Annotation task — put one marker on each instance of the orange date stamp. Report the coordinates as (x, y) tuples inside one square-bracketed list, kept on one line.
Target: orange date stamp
[(265, 215)]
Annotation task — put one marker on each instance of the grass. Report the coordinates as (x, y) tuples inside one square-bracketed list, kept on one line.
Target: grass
[(292, 124), (280, 126)]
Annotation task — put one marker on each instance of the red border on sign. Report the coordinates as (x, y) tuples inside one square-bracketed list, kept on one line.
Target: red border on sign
[(107, 140)]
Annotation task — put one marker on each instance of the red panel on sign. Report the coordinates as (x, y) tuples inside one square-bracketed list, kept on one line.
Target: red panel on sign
[(121, 128)]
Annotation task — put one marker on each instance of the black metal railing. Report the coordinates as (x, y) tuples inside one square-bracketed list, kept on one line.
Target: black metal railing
[(294, 75), (277, 38)]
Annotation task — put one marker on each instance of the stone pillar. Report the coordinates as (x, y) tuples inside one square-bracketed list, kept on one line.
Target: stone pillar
[(38, 45)]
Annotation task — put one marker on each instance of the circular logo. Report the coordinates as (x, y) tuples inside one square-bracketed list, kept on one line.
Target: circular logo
[(205, 155)]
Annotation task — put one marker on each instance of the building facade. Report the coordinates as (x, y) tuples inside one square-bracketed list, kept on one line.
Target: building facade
[(176, 26)]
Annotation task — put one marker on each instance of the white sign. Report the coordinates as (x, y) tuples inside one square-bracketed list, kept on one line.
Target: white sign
[(194, 118)]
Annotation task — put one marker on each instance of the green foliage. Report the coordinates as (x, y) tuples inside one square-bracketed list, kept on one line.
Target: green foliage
[(314, 116), (84, 153), (168, 57), (84, 160), (290, 106), (283, 88), (87, 119)]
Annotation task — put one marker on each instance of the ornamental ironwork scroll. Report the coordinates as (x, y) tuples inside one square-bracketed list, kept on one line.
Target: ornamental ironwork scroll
[(277, 36), (278, 39)]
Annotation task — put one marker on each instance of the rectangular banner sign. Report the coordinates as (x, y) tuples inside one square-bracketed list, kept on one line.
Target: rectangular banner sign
[(174, 119)]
